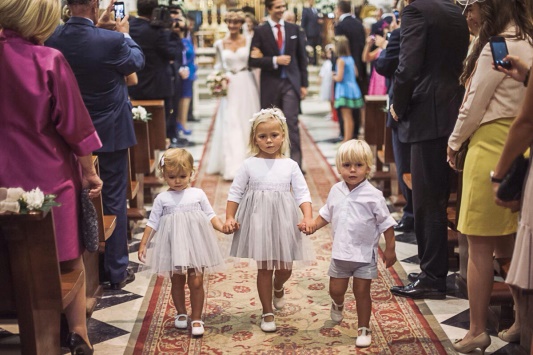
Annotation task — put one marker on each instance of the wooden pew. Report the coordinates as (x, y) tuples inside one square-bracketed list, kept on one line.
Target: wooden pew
[(32, 284)]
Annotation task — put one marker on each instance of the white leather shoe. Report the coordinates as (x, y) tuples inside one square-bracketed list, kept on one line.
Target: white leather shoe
[(197, 331), (268, 326), (336, 313), (181, 323), (279, 302), (363, 340)]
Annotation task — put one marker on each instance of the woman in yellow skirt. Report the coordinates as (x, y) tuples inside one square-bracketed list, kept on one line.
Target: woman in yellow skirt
[(491, 102)]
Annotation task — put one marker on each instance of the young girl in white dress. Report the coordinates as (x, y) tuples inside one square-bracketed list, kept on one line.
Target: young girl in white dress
[(263, 206), (178, 241)]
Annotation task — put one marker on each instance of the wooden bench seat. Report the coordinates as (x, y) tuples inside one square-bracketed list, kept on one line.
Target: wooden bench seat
[(71, 282)]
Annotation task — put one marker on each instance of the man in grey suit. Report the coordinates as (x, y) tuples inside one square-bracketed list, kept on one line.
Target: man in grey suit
[(312, 25), (426, 100), (283, 68)]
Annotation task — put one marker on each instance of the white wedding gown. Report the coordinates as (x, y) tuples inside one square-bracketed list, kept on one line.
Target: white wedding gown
[(229, 143)]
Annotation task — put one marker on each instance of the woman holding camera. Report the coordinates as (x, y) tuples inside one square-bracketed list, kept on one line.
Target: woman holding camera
[(489, 107)]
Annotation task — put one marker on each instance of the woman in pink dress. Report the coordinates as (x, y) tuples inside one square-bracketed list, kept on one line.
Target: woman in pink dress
[(47, 133), (377, 84)]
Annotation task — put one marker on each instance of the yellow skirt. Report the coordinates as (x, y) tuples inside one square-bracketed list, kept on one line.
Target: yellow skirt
[(479, 215)]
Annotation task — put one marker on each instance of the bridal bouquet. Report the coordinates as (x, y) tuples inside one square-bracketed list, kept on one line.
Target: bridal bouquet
[(140, 113), (16, 200), (326, 7), (217, 82)]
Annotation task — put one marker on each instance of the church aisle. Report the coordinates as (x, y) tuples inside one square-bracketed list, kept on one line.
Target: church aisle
[(116, 322)]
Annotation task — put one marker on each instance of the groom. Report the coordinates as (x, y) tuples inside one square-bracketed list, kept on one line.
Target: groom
[(283, 68)]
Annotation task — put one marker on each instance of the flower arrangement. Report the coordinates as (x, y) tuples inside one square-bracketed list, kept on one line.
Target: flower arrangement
[(325, 7), (217, 82), (19, 201), (140, 113)]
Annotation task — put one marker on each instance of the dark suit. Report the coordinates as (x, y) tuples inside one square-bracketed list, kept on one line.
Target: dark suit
[(281, 86), (156, 79), (353, 29), (427, 96), (312, 29), (100, 60), (386, 65)]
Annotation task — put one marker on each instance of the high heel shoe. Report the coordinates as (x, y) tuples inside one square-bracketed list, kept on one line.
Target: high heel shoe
[(180, 127), (509, 337), (482, 341), (78, 346)]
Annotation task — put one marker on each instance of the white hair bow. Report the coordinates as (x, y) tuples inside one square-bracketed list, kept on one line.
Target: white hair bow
[(269, 111), (162, 161)]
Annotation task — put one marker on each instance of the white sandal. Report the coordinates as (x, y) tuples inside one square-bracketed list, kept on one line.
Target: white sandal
[(268, 326), (279, 302), (181, 324), (363, 340), (197, 331), (336, 313)]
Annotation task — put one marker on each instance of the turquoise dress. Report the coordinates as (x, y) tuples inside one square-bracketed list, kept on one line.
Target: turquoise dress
[(347, 92)]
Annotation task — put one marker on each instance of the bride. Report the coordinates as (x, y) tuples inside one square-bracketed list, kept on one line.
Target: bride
[(232, 127)]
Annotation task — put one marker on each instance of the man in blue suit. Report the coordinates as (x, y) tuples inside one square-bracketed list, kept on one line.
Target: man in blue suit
[(312, 25), (101, 59)]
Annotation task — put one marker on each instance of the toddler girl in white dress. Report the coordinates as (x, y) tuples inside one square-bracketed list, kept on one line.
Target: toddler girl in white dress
[(263, 206), (179, 241)]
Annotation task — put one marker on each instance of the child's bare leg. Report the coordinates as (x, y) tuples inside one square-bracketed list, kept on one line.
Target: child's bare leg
[(337, 290), (178, 292), (280, 277), (264, 288), (348, 123), (363, 302), (196, 287)]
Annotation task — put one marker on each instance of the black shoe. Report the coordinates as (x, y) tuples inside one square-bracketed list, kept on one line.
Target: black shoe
[(417, 291), (130, 277), (180, 143), (192, 119), (405, 225), (413, 276), (78, 346)]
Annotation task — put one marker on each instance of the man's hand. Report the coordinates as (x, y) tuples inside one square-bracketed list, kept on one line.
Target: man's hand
[(303, 93), (518, 68), (393, 113), (105, 20), (283, 59), (451, 157)]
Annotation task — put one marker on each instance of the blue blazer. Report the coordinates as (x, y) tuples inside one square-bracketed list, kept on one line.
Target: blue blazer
[(100, 60)]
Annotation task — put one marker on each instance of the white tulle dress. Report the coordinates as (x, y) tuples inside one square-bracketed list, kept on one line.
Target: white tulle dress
[(232, 126), (184, 237), (269, 193)]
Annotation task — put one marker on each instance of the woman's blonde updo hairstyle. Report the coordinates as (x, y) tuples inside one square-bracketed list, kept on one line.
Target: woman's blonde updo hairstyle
[(234, 16), (34, 20), (175, 160), (266, 115)]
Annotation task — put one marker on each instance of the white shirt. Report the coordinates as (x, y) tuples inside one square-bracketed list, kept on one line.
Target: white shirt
[(358, 218), (185, 199), (275, 33), (271, 173)]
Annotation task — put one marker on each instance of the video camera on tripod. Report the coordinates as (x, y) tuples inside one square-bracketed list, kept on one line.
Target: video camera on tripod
[(161, 14)]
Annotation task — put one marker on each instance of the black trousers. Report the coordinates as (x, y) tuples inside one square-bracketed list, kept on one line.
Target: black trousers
[(402, 159), (431, 190)]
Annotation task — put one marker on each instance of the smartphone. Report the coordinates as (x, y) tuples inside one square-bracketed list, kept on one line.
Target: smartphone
[(397, 15), (120, 12), (388, 35), (499, 51)]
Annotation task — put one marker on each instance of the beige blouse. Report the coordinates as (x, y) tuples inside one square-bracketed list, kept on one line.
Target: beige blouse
[(490, 94)]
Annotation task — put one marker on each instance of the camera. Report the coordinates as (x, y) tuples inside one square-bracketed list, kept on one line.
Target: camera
[(161, 14)]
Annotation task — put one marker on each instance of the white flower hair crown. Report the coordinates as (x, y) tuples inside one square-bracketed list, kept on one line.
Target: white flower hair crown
[(276, 112)]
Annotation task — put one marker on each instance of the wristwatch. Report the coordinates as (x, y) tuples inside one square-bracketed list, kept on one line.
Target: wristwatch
[(494, 179)]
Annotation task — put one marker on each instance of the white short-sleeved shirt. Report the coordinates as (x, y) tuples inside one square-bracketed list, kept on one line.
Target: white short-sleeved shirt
[(275, 172), (358, 218), (191, 196)]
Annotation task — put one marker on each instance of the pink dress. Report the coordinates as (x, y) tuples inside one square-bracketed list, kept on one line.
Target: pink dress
[(44, 125), (377, 84)]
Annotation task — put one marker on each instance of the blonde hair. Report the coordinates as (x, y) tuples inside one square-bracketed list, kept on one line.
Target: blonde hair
[(175, 160), (32, 19), (342, 46), (234, 15), (266, 115), (355, 151)]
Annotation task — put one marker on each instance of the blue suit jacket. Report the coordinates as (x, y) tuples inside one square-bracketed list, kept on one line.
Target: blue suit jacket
[(100, 60)]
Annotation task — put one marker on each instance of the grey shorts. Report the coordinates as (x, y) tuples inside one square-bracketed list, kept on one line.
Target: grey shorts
[(342, 269)]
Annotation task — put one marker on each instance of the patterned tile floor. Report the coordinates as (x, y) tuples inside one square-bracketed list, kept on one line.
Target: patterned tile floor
[(117, 311)]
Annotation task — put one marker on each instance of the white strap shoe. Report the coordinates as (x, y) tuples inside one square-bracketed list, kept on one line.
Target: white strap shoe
[(279, 302), (197, 331), (181, 323), (363, 340), (336, 312), (268, 326)]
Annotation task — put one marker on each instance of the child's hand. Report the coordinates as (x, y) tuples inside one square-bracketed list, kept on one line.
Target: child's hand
[(389, 257), (230, 226), (310, 225), (301, 226), (142, 252)]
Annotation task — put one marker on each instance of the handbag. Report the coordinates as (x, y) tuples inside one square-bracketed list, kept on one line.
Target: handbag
[(511, 186), (88, 222), (460, 156)]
